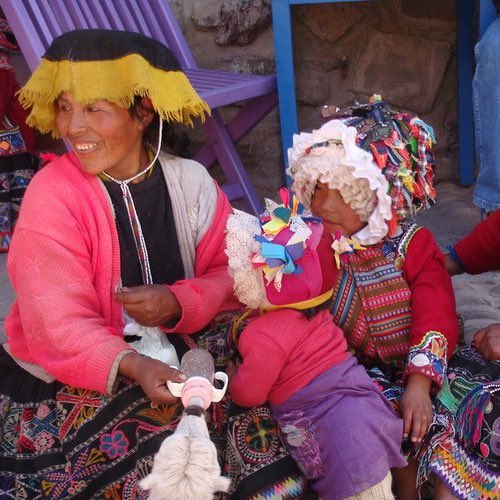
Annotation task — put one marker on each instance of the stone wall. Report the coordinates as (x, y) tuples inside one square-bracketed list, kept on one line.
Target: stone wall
[(401, 49)]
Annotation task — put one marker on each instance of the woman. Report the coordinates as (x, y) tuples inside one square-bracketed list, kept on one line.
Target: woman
[(113, 234), (467, 461), (17, 165)]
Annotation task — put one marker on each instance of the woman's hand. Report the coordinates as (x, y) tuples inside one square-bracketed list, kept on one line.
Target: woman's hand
[(150, 305), (151, 375), (416, 407), (487, 341), (232, 368)]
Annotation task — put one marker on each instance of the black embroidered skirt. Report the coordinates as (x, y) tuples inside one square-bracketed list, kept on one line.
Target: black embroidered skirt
[(58, 441)]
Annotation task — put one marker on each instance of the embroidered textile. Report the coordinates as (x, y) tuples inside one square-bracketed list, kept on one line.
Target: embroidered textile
[(86, 445), (15, 175), (429, 358), (468, 458), (11, 139)]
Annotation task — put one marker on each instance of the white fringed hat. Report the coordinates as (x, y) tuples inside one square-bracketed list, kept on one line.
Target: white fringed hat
[(330, 155)]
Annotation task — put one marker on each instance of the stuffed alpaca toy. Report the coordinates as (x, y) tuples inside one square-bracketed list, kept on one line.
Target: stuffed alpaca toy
[(186, 466)]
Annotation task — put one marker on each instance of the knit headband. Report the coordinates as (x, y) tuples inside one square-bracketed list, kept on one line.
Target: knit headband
[(113, 65)]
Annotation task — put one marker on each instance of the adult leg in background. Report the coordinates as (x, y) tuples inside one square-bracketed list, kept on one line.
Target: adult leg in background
[(486, 105)]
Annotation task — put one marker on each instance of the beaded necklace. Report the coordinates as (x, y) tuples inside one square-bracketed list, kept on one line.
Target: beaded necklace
[(135, 224)]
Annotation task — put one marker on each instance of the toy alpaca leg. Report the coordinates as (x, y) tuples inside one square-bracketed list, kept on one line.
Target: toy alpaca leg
[(379, 491)]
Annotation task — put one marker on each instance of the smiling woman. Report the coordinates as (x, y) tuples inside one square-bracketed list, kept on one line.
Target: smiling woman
[(105, 136), (116, 239)]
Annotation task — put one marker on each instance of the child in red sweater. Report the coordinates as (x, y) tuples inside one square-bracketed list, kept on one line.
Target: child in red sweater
[(366, 177), (329, 411)]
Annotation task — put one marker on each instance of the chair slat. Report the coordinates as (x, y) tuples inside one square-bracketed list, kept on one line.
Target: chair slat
[(135, 16), (62, 16), (100, 16)]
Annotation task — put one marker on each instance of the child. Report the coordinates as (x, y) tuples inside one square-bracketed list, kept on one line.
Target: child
[(392, 295), (329, 411)]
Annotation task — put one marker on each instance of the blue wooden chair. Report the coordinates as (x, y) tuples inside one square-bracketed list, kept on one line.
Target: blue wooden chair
[(36, 23)]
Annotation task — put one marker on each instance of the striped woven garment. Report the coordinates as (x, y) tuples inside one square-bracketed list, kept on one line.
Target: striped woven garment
[(372, 306)]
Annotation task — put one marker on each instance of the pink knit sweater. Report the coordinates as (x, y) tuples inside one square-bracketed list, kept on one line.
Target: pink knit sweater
[(282, 352), (64, 265)]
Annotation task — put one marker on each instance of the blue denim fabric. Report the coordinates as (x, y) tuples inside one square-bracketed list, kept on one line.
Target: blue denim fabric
[(486, 103)]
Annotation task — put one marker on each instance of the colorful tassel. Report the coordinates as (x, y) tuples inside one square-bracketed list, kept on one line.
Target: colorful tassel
[(470, 415)]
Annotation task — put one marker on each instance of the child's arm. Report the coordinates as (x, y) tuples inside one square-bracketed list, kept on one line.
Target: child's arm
[(434, 328), (479, 251), (263, 360), (434, 331)]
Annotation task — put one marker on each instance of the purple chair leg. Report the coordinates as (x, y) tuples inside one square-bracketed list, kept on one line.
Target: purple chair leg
[(241, 124), (229, 159)]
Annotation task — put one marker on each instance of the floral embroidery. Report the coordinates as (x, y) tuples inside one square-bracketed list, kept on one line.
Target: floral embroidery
[(114, 445), (163, 415), (299, 434), (43, 441), (260, 434), (42, 411), (429, 358), (73, 479)]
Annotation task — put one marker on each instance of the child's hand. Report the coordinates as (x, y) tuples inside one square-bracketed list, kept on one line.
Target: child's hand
[(416, 407)]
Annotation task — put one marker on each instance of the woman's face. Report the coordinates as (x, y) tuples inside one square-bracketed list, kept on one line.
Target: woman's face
[(104, 136), (337, 215)]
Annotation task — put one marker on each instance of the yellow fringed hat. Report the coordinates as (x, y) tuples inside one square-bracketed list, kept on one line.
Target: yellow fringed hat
[(111, 65)]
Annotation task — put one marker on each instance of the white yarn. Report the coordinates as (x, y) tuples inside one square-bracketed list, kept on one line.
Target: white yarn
[(240, 246), (308, 166), (186, 466), (153, 342), (379, 491)]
